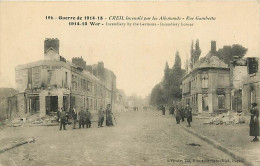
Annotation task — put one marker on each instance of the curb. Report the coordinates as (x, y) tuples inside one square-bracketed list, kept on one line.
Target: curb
[(220, 147), (30, 140)]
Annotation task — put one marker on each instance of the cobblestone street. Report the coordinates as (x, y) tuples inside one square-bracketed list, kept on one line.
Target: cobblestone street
[(139, 138)]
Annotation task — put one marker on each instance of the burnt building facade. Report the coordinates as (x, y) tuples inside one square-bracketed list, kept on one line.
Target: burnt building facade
[(52, 83), (251, 85), (206, 85)]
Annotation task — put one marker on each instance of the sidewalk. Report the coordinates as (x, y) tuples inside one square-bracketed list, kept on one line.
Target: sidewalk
[(235, 138)]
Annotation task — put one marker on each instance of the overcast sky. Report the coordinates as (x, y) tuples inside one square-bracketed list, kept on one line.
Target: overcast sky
[(137, 55)]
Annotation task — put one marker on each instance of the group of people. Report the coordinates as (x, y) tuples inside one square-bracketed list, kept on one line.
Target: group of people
[(84, 117), (180, 114)]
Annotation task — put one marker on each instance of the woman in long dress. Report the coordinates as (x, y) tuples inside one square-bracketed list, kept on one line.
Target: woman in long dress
[(254, 122)]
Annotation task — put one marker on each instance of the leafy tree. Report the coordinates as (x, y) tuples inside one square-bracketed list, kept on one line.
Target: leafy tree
[(227, 53), (166, 82), (157, 95), (176, 76), (238, 50), (169, 89)]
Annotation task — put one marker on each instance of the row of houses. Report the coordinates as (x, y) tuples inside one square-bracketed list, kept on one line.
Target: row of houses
[(212, 86), (52, 83)]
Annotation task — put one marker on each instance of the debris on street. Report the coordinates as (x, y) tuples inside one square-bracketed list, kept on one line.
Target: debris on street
[(32, 120), (226, 119)]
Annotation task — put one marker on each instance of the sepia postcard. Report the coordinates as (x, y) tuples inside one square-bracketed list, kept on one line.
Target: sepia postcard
[(129, 83)]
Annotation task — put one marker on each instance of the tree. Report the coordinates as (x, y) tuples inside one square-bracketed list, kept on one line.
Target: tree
[(177, 62), (157, 95), (176, 76), (227, 53), (169, 89), (166, 71), (238, 50)]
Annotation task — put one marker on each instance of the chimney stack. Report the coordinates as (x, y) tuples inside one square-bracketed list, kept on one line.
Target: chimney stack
[(51, 43), (213, 46)]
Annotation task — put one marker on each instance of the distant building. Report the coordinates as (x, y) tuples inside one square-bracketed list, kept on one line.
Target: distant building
[(206, 85), (52, 83)]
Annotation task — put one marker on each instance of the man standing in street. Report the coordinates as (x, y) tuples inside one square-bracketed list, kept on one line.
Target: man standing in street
[(58, 114), (177, 115), (100, 117), (82, 118), (163, 109), (189, 115), (88, 119), (171, 110), (109, 120), (62, 119), (74, 117), (182, 114)]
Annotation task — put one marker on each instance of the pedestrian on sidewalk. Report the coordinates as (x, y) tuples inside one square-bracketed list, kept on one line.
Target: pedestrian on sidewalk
[(254, 122), (58, 114), (171, 110), (163, 109), (189, 115), (74, 117), (177, 115), (182, 114), (88, 118), (82, 118), (62, 119), (109, 120), (100, 117)]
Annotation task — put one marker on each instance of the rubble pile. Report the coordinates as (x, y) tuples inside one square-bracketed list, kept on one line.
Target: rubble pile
[(33, 120), (226, 119)]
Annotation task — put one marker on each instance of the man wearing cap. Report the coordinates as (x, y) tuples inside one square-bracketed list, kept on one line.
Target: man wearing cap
[(189, 115), (100, 117), (109, 121), (62, 119), (82, 118), (88, 118)]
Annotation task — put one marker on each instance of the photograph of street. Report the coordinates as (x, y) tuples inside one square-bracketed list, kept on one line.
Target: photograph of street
[(129, 83)]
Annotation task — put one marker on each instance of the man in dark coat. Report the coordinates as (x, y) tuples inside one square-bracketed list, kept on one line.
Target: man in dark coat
[(177, 115), (189, 115), (88, 119), (163, 109), (74, 117), (100, 117), (182, 114), (171, 110), (109, 120), (62, 119), (82, 117), (254, 122)]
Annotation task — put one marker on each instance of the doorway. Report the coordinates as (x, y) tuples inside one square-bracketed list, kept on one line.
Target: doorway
[(51, 104), (34, 106)]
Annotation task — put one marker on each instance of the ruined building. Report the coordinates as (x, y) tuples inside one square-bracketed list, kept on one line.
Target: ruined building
[(206, 85), (52, 83)]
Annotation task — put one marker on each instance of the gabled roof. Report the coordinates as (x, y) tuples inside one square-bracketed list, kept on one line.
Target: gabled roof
[(213, 61)]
